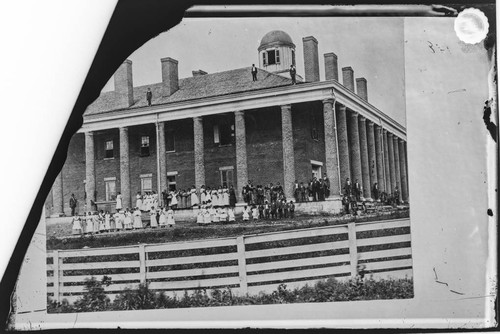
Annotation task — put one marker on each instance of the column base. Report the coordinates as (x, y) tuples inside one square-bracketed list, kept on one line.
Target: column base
[(333, 198), (57, 215)]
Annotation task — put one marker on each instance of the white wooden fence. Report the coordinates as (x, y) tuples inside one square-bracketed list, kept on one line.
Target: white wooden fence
[(246, 264)]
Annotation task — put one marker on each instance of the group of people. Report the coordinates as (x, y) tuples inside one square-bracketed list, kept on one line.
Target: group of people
[(122, 220), (221, 196), (317, 189), (353, 193)]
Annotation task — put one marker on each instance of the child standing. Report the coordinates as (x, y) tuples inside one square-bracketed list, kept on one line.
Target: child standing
[(246, 216), (230, 215), (207, 217), (128, 219), (77, 226), (291, 208), (152, 215), (163, 217), (255, 213), (137, 219), (170, 217), (107, 222), (223, 215), (199, 216)]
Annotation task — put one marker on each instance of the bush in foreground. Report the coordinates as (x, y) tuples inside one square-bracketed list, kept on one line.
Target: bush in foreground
[(330, 290)]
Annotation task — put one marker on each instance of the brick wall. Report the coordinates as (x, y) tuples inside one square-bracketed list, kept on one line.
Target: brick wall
[(182, 160), (73, 173), (308, 117), (141, 164)]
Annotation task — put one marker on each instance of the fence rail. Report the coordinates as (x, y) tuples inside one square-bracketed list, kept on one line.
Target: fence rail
[(246, 264)]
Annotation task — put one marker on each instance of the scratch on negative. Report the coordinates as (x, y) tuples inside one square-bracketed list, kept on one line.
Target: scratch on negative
[(458, 293), (457, 91)]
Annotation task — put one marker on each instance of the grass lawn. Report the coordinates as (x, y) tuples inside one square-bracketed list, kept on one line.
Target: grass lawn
[(59, 234)]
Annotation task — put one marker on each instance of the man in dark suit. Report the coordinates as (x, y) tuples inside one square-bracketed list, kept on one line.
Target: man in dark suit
[(357, 190), (326, 181), (293, 72), (149, 96), (72, 204), (254, 72), (348, 187)]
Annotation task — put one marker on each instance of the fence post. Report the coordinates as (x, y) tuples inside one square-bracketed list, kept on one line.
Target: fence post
[(142, 260), (353, 248), (242, 266), (55, 263)]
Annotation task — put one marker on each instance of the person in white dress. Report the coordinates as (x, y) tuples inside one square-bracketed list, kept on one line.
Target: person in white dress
[(155, 201), (246, 216), (163, 217), (225, 196), (170, 217), (215, 198), (230, 215), (94, 221), (137, 219), (128, 219), (152, 215), (255, 213), (138, 200), (145, 202), (223, 215), (207, 219), (203, 199), (216, 217), (107, 222), (220, 200), (119, 202), (116, 221), (194, 197), (77, 226), (173, 201), (199, 216)]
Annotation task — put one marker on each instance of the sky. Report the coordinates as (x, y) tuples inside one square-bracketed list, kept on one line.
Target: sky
[(373, 47)]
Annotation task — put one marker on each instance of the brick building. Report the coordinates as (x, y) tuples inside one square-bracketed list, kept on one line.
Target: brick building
[(211, 129)]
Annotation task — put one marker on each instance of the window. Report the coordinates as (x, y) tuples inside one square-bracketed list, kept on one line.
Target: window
[(146, 183), (223, 132), (109, 149), (170, 141), (226, 176), (172, 182), (110, 185), (264, 58), (316, 168), (271, 57), (144, 146)]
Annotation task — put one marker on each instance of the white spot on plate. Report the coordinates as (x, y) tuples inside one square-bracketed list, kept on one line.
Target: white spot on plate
[(471, 26)]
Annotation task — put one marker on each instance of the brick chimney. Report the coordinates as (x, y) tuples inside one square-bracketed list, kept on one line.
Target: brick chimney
[(348, 78), (198, 73), (311, 61), (331, 66), (124, 87), (361, 88), (169, 75)]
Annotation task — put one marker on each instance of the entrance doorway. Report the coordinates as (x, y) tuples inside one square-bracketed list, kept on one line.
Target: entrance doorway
[(316, 169)]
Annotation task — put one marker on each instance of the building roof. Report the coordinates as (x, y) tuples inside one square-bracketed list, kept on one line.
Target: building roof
[(275, 38), (192, 88)]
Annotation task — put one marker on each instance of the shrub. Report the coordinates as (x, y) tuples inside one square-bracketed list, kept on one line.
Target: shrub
[(94, 298)]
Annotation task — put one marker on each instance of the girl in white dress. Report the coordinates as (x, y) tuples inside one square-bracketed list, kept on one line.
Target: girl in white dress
[(145, 202), (230, 215), (216, 217), (77, 226), (194, 196), (152, 214), (219, 197), (223, 215), (107, 222), (155, 201), (203, 198), (225, 196), (215, 199), (96, 220), (115, 222), (255, 213), (138, 200), (212, 213), (137, 218), (170, 217), (246, 216), (207, 219), (101, 218), (128, 220), (119, 202), (173, 202), (163, 218), (199, 217)]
